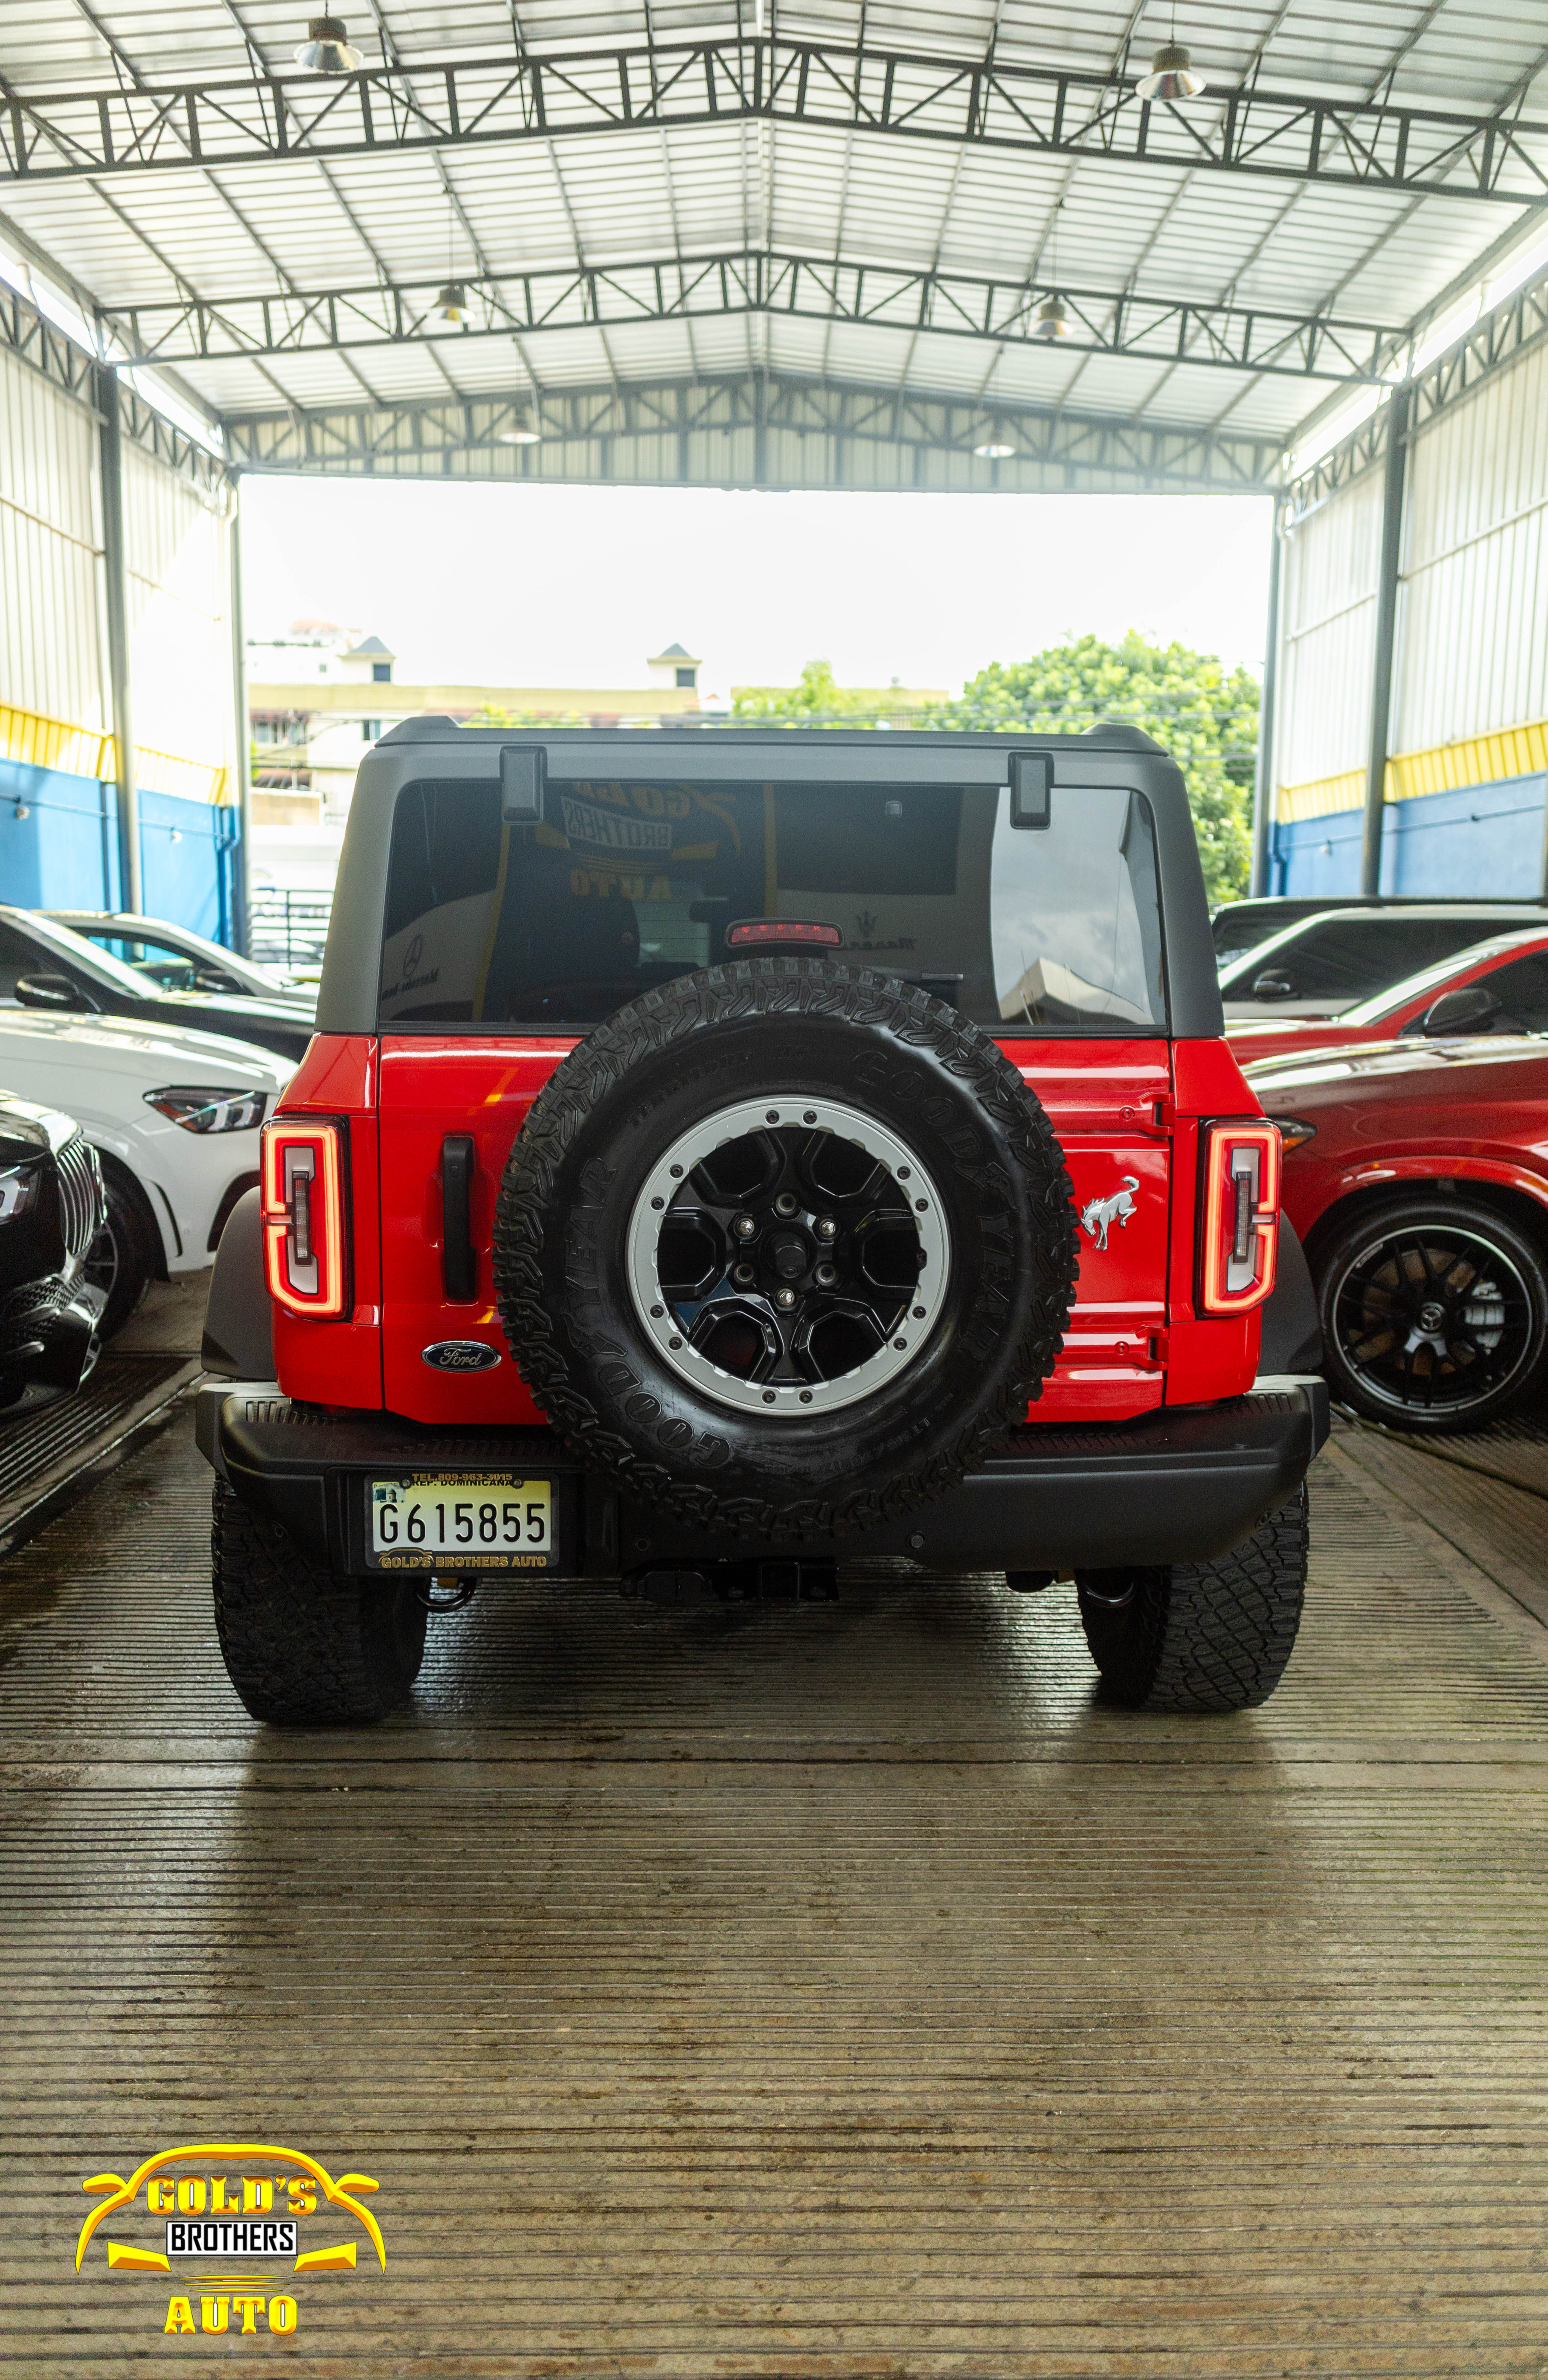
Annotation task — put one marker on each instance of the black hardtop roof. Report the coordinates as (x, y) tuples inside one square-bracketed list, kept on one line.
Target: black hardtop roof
[(1115, 734)]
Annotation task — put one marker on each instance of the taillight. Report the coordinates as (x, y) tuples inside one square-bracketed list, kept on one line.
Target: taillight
[(1241, 1216), (303, 1244)]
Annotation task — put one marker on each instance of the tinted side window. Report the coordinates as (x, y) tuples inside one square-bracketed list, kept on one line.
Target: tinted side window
[(1350, 957), (16, 957), (173, 971), (1521, 990)]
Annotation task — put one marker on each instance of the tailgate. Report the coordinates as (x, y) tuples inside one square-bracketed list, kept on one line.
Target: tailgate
[(1110, 1104), (1103, 1098), (431, 1088)]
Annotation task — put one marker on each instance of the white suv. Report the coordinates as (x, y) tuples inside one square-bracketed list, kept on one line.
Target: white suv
[(174, 1115)]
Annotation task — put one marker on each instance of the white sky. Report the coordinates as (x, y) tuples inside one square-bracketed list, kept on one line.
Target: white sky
[(575, 585)]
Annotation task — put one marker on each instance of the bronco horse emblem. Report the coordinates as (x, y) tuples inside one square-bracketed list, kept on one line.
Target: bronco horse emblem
[(1100, 1213)]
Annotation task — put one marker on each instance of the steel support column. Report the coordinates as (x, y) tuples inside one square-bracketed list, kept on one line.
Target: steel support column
[(241, 919), (1262, 789), (130, 884), (1386, 636)]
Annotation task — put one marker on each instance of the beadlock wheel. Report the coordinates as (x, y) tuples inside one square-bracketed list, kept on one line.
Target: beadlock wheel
[(789, 1255), (730, 1205)]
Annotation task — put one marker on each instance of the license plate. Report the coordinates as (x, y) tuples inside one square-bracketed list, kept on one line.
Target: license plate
[(473, 1520)]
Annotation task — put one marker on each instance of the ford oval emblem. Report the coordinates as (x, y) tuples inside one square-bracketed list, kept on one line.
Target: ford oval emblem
[(461, 1355)]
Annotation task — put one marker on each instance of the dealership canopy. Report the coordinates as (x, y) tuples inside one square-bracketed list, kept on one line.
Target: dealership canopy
[(845, 245)]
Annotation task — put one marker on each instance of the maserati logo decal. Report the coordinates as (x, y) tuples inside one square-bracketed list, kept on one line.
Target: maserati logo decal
[(461, 1355), (1099, 1214)]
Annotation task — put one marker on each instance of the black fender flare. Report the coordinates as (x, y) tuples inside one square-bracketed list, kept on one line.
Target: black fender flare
[(1292, 1329), (238, 1319)]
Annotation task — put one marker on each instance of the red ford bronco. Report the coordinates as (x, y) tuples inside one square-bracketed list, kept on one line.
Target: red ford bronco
[(723, 1153)]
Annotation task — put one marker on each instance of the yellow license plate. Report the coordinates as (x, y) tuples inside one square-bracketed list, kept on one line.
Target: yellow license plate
[(451, 1521)]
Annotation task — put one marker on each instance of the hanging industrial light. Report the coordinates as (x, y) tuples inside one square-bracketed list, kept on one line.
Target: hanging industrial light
[(994, 450), (1171, 74), (327, 49), (520, 433), (1051, 321), (451, 301)]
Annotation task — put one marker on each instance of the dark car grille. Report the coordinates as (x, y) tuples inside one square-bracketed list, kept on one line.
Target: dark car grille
[(35, 1298), (82, 1208)]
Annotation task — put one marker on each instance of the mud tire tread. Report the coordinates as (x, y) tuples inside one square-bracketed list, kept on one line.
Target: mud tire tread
[(303, 1646), (1204, 1636)]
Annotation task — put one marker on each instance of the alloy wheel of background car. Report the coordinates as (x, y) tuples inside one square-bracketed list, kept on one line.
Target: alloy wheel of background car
[(1434, 1314), (806, 1107)]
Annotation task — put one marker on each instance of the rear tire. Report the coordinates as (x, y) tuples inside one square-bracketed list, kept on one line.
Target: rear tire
[(303, 1646), (1201, 1636)]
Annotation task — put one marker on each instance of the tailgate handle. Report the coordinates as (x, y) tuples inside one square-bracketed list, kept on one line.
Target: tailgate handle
[(459, 1265)]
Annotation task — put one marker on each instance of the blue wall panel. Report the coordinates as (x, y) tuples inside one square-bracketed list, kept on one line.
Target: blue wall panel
[(1317, 855), (63, 853), (185, 851), (1487, 839)]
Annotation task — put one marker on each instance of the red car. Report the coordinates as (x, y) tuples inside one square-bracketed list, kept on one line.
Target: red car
[(1416, 1175), (1500, 985)]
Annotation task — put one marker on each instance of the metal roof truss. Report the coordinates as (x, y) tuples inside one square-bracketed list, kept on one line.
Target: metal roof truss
[(747, 282), (1356, 143)]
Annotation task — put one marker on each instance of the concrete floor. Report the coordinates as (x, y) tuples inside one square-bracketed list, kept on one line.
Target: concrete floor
[(831, 1990)]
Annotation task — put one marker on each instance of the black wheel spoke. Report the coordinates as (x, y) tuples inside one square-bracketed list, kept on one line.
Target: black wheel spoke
[(1418, 1248), (790, 1255)]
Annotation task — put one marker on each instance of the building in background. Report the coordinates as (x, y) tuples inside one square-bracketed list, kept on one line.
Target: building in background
[(74, 662), (321, 695), (318, 698)]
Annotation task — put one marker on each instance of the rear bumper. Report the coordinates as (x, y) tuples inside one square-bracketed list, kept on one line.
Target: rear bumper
[(1182, 1485)]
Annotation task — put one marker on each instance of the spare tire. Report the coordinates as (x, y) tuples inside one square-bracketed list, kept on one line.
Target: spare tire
[(785, 1248)]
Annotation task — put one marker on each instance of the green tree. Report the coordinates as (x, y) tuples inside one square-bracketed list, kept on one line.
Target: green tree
[(1205, 715), (816, 697), (490, 715)]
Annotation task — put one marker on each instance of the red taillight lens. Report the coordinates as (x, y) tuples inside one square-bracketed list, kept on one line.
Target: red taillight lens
[(304, 1261), (1241, 1216)]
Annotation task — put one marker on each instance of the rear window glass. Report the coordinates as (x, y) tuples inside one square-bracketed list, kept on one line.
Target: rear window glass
[(624, 886)]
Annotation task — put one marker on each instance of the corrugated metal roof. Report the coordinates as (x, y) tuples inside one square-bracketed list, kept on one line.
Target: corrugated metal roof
[(265, 226)]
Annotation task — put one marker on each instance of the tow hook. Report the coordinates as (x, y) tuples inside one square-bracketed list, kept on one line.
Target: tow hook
[(1108, 1590), (462, 1596)]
